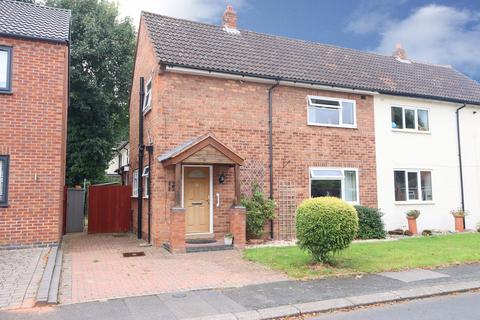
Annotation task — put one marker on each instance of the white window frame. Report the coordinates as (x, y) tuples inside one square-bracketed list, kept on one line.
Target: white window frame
[(407, 187), (311, 105), (147, 103), (416, 119), (341, 178), (135, 181), (145, 179)]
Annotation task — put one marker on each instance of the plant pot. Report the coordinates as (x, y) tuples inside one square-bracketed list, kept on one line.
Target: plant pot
[(228, 241), (459, 227), (412, 225)]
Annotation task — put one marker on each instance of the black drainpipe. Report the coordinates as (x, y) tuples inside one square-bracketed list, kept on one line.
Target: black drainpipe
[(270, 145), (457, 112), (140, 158), (150, 151)]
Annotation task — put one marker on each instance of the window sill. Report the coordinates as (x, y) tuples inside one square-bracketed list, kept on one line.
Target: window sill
[(411, 131), (331, 125), (146, 197), (6, 92), (134, 197), (5, 205), (146, 111), (414, 203)]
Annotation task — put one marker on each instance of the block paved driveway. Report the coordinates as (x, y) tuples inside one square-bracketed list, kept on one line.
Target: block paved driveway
[(95, 269), (20, 274)]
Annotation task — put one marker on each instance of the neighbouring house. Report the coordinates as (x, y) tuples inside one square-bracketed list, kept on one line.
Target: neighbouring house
[(225, 108), (418, 142), (34, 54), (119, 166)]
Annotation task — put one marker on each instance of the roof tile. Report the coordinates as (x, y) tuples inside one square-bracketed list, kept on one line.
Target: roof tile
[(204, 46), (29, 20)]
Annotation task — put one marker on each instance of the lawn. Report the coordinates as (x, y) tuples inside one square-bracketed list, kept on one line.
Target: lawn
[(370, 257)]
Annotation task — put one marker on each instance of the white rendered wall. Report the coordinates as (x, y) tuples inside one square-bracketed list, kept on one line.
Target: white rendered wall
[(470, 137), (436, 151)]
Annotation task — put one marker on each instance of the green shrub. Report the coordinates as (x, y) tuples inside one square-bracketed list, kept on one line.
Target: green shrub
[(259, 210), (370, 224), (325, 225)]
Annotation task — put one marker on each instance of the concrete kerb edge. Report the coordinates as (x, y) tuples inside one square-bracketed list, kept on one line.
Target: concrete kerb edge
[(322, 306)]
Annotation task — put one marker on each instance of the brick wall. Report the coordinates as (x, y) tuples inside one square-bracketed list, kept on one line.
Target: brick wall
[(186, 106), (33, 134)]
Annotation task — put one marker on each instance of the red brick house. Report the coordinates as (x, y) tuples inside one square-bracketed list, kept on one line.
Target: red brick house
[(34, 54), (221, 112)]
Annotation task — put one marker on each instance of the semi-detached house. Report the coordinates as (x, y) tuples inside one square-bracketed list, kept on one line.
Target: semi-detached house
[(225, 108)]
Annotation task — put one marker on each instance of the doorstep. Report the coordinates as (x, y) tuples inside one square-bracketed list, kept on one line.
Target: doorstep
[(202, 247)]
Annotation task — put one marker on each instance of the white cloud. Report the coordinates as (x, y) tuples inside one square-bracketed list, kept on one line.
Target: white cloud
[(372, 15), (198, 10), (437, 34)]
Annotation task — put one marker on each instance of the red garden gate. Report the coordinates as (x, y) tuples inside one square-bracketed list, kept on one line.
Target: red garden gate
[(109, 208)]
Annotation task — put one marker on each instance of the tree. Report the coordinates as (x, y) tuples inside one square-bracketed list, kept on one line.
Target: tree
[(102, 53)]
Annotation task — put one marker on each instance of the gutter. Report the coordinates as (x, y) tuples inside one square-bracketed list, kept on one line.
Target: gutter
[(267, 80), (231, 75), (459, 143), (270, 144)]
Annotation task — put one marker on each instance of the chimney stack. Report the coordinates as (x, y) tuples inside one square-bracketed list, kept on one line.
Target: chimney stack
[(230, 18), (399, 52)]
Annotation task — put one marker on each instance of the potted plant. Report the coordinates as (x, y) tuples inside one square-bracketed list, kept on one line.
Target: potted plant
[(459, 216), (228, 239), (412, 216)]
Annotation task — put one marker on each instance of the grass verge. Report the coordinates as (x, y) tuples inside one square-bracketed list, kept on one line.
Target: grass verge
[(372, 257)]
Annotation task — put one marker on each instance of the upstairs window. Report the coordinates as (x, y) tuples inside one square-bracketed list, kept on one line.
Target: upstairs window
[(332, 112), (410, 119), (413, 185), (3, 180), (333, 182), (147, 103), (5, 69)]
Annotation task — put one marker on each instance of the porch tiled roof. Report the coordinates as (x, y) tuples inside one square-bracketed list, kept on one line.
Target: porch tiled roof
[(35, 21), (179, 149), (202, 46)]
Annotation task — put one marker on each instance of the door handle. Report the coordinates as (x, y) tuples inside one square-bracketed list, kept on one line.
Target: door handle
[(218, 200)]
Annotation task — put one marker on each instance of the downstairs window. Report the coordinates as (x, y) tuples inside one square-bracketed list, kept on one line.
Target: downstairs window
[(413, 185), (333, 182), (4, 180)]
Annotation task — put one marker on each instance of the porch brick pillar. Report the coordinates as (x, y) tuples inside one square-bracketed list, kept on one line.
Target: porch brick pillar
[(177, 230), (238, 226)]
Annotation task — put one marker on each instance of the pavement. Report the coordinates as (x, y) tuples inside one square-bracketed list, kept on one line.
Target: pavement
[(20, 275), (270, 300), (455, 307)]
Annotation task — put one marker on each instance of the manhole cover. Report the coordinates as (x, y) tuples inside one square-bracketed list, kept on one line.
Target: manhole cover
[(133, 254)]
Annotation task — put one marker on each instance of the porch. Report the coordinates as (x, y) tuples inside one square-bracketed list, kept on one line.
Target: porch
[(206, 208)]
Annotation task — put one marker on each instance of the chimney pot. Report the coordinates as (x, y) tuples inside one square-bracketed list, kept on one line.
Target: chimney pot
[(230, 18), (399, 52)]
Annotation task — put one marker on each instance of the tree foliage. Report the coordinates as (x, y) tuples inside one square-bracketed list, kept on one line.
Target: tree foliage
[(102, 53)]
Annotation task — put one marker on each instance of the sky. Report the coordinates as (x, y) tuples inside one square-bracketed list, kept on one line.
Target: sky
[(443, 32)]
